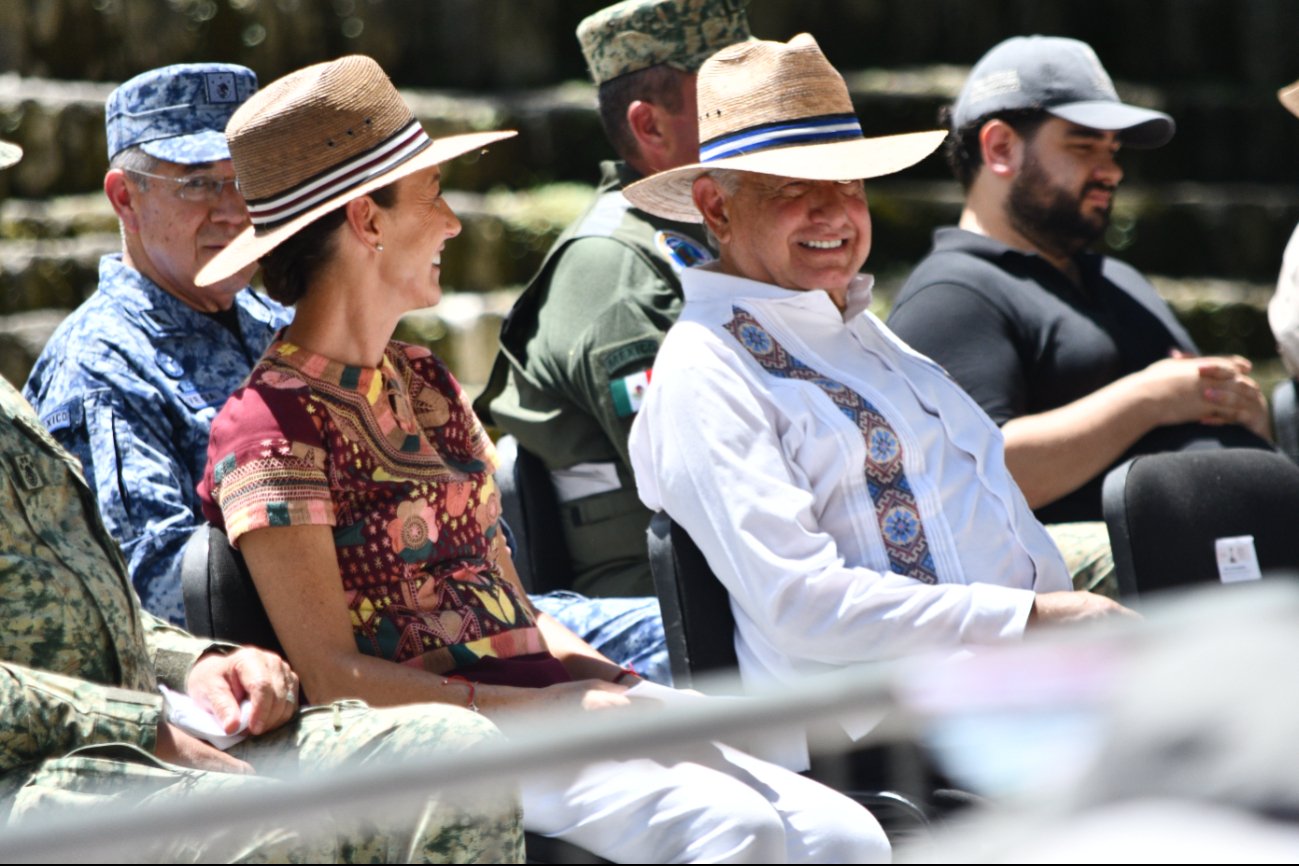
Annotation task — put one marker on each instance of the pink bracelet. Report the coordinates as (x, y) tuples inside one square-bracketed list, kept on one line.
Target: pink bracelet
[(625, 672), (473, 690)]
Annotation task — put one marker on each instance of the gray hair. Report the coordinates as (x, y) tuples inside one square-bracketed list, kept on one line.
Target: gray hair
[(729, 179), (133, 159)]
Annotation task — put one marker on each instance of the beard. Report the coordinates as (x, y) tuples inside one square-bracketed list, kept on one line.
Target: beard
[(1052, 217)]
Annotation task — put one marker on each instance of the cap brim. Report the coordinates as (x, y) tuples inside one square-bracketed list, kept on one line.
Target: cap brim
[(195, 149), (1137, 127), (1289, 96), (9, 154), (668, 194), (251, 245)]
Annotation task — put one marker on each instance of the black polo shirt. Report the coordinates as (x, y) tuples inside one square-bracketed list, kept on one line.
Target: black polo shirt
[(1023, 338)]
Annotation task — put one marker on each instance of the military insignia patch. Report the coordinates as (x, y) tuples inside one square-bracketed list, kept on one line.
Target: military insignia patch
[(221, 87), (629, 392), (26, 473), (682, 251)]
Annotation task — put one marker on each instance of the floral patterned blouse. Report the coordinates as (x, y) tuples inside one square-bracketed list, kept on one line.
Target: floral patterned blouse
[(397, 463)]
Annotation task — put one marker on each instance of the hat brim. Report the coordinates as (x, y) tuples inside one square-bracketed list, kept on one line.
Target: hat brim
[(250, 245), (668, 194), (197, 148), (9, 154), (1289, 96), (1137, 127)]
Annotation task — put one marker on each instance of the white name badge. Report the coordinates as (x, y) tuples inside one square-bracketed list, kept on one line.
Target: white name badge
[(1237, 559)]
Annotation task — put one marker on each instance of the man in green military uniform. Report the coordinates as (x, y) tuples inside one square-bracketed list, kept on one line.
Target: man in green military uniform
[(578, 348), (83, 720)]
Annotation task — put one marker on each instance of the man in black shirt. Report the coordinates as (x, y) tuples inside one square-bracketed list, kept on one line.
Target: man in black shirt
[(1074, 354)]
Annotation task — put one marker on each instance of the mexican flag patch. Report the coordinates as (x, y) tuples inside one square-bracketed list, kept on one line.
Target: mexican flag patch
[(629, 392)]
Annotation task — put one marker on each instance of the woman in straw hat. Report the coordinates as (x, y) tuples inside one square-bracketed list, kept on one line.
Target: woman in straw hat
[(357, 481), (852, 498)]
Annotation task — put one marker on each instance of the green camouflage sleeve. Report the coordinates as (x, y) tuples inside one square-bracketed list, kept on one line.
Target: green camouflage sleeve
[(47, 715), (174, 651)]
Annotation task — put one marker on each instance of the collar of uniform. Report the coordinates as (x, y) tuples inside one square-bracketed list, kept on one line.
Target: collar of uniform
[(708, 283), (162, 312), (367, 381), (616, 174), (954, 239)]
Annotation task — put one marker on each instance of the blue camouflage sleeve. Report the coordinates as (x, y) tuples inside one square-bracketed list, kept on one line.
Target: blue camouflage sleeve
[(120, 432)]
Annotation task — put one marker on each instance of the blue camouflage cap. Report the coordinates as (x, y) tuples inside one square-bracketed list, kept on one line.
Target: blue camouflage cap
[(178, 113)]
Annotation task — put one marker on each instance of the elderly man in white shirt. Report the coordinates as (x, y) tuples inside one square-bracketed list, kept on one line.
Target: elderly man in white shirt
[(852, 498)]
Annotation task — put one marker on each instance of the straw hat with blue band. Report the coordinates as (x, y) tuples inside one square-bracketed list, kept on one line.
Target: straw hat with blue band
[(314, 140), (777, 108)]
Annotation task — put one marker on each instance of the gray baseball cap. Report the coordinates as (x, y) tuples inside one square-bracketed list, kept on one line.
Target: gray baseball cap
[(178, 113), (1063, 77)]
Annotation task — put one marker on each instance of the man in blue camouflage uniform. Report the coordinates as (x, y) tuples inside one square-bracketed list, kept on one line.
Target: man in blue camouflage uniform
[(577, 348), (131, 381), (82, 719)]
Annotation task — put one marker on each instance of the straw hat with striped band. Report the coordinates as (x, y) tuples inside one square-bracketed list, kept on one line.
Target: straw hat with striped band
[(9, 154), (314, 140), (777, 108)]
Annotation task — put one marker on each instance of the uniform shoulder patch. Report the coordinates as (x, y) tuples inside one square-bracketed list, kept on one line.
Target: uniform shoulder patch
[(682, 251), (629, 392), (640, 351)]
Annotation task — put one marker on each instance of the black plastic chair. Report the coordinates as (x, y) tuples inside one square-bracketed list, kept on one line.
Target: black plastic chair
[(1165, 512), (220, 598), (700, 630), (531, 510), (697, 619), (1285, 417)]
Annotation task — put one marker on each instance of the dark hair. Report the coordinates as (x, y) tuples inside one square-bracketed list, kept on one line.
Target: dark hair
[(964, 156), (659, 84), (288, 269)]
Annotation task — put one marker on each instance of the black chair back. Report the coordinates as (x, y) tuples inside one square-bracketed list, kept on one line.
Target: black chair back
[(221, 600), (1165, 513), (531, 510), (1285, 417), (696, 607)]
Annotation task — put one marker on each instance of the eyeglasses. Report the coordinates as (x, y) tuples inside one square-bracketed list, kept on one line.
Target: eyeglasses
[(201, 188)]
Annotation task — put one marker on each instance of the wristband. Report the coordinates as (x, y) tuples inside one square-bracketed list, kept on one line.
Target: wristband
[(625, 672), (473, 691)]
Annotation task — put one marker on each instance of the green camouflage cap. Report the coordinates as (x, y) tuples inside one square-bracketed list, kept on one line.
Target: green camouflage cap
[(637, 34)]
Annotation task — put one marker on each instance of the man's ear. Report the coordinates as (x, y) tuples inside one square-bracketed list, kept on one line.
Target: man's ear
[(711, 202), (646, 122), (123, 196), (1002, 148)]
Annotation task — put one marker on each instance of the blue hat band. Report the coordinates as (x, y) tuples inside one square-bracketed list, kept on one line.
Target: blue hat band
[(808, 130)]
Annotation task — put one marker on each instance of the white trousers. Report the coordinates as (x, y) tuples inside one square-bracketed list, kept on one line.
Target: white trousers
[(710, 804)]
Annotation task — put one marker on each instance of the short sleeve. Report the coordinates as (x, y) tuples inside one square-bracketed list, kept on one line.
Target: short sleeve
[(267, 459)]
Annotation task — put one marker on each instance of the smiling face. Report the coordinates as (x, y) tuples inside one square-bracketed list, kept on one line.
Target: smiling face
[(169, 239), (1062, 195), (414, 234), (796, 234)]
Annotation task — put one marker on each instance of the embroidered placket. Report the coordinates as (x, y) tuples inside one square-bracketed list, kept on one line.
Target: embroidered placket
[(895, 503)]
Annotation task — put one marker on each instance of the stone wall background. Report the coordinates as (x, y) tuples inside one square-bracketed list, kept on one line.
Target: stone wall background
[(1207, 215)]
